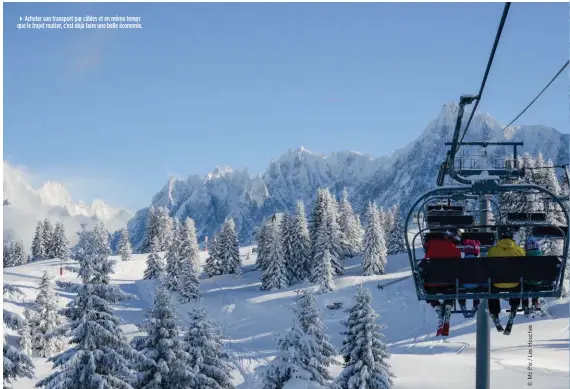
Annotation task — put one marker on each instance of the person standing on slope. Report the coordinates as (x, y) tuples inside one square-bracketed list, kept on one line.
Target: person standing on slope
[(471, 249), (532, 248), (505, 247)]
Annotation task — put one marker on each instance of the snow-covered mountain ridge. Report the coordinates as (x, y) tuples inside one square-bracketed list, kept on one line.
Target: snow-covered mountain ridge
[(298, 173), (28, 205)]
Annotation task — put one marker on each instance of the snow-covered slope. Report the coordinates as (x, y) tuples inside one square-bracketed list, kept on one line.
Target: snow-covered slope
[(247, 316), (28, 205), (299, 173)]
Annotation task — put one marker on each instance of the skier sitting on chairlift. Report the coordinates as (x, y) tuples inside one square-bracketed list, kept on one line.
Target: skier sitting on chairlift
[(532, 248), (471, 249), (505, 247), (445, 247)]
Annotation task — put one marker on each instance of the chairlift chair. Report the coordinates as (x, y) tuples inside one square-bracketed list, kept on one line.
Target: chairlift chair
[(488, 271)]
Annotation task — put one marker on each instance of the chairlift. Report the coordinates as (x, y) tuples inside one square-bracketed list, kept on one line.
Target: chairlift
[(456, 272)]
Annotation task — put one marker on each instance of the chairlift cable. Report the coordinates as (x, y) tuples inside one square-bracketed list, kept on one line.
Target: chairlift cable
[(488, 69), (532, 102)]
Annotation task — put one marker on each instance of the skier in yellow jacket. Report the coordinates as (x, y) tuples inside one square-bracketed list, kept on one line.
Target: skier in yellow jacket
[(505, 247)]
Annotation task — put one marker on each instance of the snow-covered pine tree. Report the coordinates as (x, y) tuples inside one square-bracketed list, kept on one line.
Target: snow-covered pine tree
[(275, 276), (351, 231), (165, 229), (154, 264), (7, 256), (213, 266), (17, 364), (172, 256), (101, 356), (374, 257), (188, 282), (301, 244), (38, 244), (189, 249), (327, 241), (209, 362), (46, 319), (124, 248), (317, 216), (102, 249), (305, 352), (311, 324), (25, 333), (334, 234), (151, 231), (18, 253), (396, 240), (364, 351), (285, 226), (264, 236), (228, 248), (47, 237), (60, 243), (388, 221), (325, 273), (161, 345)]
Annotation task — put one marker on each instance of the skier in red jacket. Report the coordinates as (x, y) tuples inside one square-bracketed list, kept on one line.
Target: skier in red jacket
[(442, 248)]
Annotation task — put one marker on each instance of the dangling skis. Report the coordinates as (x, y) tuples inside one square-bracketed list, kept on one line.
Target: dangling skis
[(497, 322), (509, 325), (446, 319), (441, 319)]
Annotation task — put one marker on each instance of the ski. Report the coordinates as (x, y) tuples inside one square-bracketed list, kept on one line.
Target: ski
[(440, 323), (446, 319), (497, 322), (509, 326)]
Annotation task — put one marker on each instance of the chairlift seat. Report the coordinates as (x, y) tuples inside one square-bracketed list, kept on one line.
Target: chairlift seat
[(496, 269), (550, 232), (451, 220), (526, 217)]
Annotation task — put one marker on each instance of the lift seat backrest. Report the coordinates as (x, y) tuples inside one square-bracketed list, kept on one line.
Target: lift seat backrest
[(452, 208), (526, 217), (484, 238), (452, 220), (549, 232), (499, 269)]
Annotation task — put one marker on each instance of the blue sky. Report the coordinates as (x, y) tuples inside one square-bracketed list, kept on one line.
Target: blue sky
[(112, 113)]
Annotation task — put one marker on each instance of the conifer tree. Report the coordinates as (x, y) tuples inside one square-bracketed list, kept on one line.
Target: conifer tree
[(124, 248), (189, 249), (38, 244), (7, 256), (351, 231), (165, 228), (46, 319), (364, 351), (17, 364), (396, 242), (317, 216), (264, 236), (287, 246), (334, 234), (150, 232), (209, 362), (60, 243), (169, 367), (228, 248), (18, 254), (213, 266), (101, 356), (275, 275), (374, 257), (301, 245), (47, 237), (172, 256), (25, 336), (154, 264)]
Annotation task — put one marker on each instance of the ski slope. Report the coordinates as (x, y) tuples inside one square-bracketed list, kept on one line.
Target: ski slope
[(250, 318)]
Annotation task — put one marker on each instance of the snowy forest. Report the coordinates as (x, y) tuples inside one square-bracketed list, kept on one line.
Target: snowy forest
[(85, 340)]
